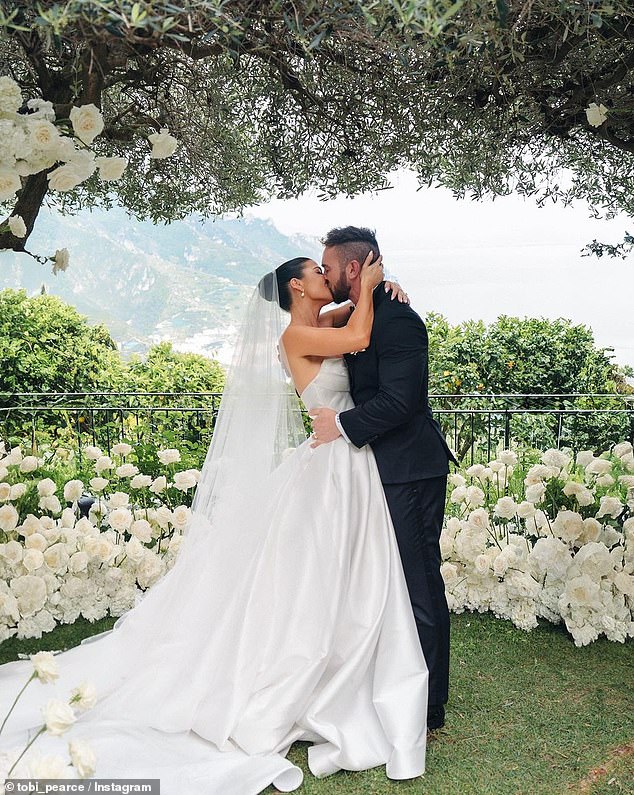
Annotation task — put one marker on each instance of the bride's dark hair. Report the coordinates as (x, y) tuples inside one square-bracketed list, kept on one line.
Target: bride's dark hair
[(291, 269)]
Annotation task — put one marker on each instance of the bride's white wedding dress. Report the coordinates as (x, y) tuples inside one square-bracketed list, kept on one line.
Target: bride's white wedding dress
[(300, 630)]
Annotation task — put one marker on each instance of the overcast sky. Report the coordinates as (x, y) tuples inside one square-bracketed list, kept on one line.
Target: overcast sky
[(478, 260)]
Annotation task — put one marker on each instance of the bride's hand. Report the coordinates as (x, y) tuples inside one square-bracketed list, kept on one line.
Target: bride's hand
[(372, 272), (397, 292)]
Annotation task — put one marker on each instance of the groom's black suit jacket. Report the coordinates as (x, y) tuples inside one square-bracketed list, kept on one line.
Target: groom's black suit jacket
[(389, 385)]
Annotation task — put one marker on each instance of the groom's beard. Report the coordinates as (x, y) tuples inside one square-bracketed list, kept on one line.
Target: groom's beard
[(341, 290)]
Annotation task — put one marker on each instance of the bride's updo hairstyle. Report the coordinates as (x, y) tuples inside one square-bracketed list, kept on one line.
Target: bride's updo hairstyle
[(291, 269)]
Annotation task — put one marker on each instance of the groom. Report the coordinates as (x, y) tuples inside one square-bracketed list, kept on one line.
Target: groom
[(389, 387)]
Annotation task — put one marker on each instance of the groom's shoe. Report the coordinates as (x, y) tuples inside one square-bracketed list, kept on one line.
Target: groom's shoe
[(435, 717)]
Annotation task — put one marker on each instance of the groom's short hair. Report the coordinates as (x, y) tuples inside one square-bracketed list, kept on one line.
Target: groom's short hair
[(354, 242)]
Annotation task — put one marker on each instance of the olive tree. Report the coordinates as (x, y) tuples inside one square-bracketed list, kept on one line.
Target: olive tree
[(273, 97)]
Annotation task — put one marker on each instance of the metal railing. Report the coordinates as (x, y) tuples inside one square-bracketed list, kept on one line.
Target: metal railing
[(476, 425)]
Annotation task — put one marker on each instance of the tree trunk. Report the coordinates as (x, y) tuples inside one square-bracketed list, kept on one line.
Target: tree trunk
[(28, 204)]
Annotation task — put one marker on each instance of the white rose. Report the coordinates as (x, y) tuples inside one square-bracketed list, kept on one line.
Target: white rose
[(556, 459), (65, 178), (51, 504), (17, 226), (45, 666), (32, 560), (30, 591), (596, 114), (481, 564), (584, 457), (36, 541), (32, 524), (84, 696), (181, 515), (102, 463), (619, 450), (163, 144), (610, 537), (453, 526), (46, 487), (187, 479), (142, 530), (78, 562), (73, 490), (163, 517), (44, 135), (14, 457), (598, 466), (57, 558), (149, 570), (628, 461), (83, 758), (605, 480), (449, 572), (169, 456), (610, 506), (476, 471), (87, 122), (61, 259), (5, 492), (111, 168), (539, 472), (568, 525), (118, 500), (10, 95), (591, 531), (92, 453), (508, 457), (126, 470), (122, 448), (457, 480), (625, 583), (101, 548), (478, 519), (9, 517), (525, 510), (17, 490), (29, 463), (159, 484), (10, 184), (98, 484), (505, 508), (474, 497), (535, 492), (120, 519), (12, 551), (59, 717), (140, 481)]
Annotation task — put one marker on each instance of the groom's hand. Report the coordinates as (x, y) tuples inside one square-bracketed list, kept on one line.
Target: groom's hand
[(324, 426)]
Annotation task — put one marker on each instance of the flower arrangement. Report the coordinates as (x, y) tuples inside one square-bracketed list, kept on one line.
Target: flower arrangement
[(33, 140), (59, 716), (557, 543), (56, 564)]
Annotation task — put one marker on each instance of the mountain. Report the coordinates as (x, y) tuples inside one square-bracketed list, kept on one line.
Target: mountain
[(185, 282)]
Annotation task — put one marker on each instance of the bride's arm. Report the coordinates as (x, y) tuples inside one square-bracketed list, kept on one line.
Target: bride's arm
[(316, 341), (340, 315)]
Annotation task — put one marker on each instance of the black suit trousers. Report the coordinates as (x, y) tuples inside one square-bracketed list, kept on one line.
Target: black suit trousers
[(417, 511)]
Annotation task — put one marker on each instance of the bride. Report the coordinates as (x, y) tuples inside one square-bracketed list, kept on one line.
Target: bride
[(286, 616)]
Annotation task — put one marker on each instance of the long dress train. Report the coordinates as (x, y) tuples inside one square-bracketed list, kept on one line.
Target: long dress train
[(300, 630)]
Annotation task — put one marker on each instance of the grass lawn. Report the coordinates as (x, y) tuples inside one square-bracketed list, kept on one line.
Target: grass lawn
[(528, 713)]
